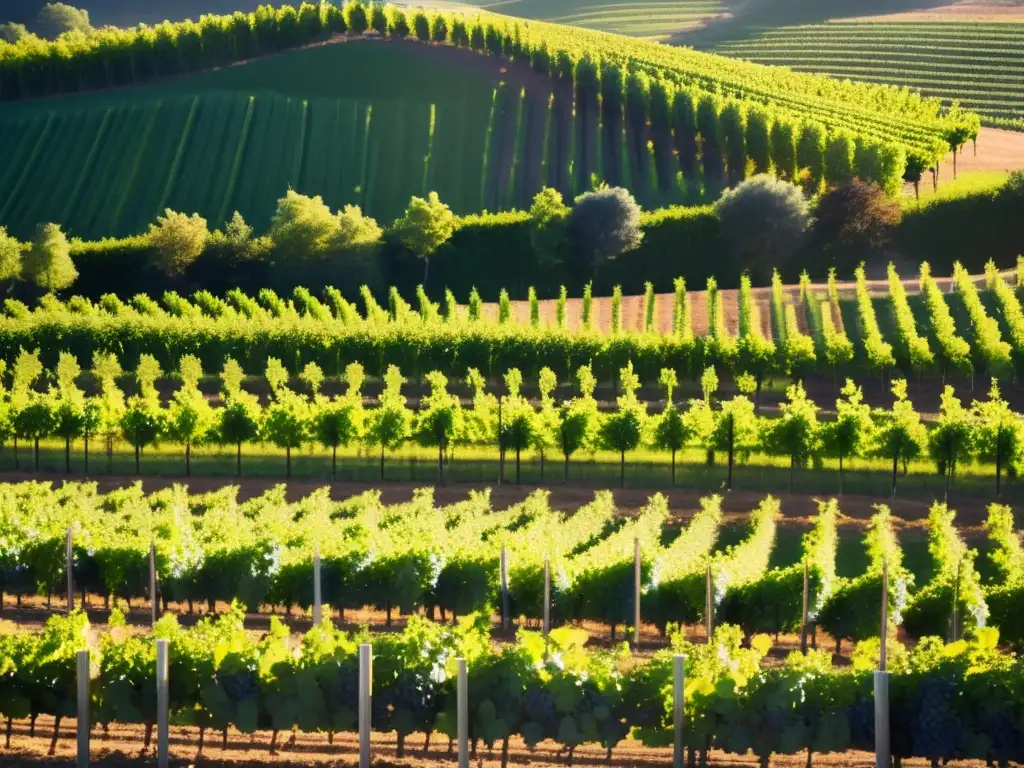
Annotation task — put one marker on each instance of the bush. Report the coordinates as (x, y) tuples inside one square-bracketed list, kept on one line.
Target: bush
[(10, 256), (853, 223), (425, 227), (55, 19), (355, 230), (763, 222), (548, 216), (179, 240), (603, 225), (302, 226), (48, 262)]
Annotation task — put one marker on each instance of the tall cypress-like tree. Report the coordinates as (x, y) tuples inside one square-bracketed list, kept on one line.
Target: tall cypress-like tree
[(783, 139), (732, 120), (637, 108), (710, 129), (588, 86), (661, 133), (758, 132), (839, 159), (611, 118), (684, 123), (810, 154)]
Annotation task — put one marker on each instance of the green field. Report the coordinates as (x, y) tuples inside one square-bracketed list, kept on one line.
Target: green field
[(651, 19), (979, 65), (366, 124)]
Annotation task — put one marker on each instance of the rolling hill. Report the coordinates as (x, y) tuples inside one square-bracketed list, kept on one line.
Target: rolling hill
[(371, 120)]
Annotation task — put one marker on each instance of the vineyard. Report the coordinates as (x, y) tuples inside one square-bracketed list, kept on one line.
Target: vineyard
[(550, 105), (416, 558), (980, 66)]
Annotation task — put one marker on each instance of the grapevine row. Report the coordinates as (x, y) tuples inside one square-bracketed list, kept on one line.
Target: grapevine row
[(915, 347), (991, 351), (879, 352), (953, 351)]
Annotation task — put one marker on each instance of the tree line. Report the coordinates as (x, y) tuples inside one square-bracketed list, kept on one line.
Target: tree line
[(705, 139), (987, 430)]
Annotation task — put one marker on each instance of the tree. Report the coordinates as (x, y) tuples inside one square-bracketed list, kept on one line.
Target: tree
[(35, 420), (339, 422), (421, 26), (517, 430), (178, 240), (547, 420), (795, 432), (240, 417), (438, 28), (142, 422), (624, 430), (379, 19), (439, 421), (998, 432), (190, 419), (286, 421), (950, 442), (398, 24), (425, 227), (68, 404), (763, 222), (548, 216), (390, 422), (13, 32), (11, 251), (671, 430), (27, 369), (356, 19), (853, 222), (579, 418), (899, 433), (735, 428), (48, 261), (110, 406), (603, 225), (355, 230), (303, 226), (54, 19), (850, 434)]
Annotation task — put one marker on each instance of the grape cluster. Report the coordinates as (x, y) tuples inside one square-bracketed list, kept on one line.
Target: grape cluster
[(410, 692), (539, 707), (1006, 739), (935, 730), (591, 699), (861, 717), (240, 685), (343, 691)]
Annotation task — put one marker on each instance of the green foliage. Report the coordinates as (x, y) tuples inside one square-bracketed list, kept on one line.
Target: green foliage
[(11, 251), (47, 263), (763, 221), (548, 217), (603, 225), (426, 225), (178, 240)]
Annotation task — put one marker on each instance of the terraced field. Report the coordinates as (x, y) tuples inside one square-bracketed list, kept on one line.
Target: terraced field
[(651, 19), (979, 65), (369, 128)]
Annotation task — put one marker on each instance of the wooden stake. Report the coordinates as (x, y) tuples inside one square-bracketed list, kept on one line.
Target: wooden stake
[(82, 723), (506, 620), (69, 557), (547, 596), (636, 591), (803, 613), (678, 689), (317, 596), (462, 705), (885, 616), (709, 604), (365, 689), (152, 584), (162, 703)]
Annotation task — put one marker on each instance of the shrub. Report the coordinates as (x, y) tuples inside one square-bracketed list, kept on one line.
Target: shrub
[(851, 223), (603, 225), (763, 222), (302, 226), (55, 19), (548, 216), (178, 240), (425, 226), (48, 262), (10, 256)]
